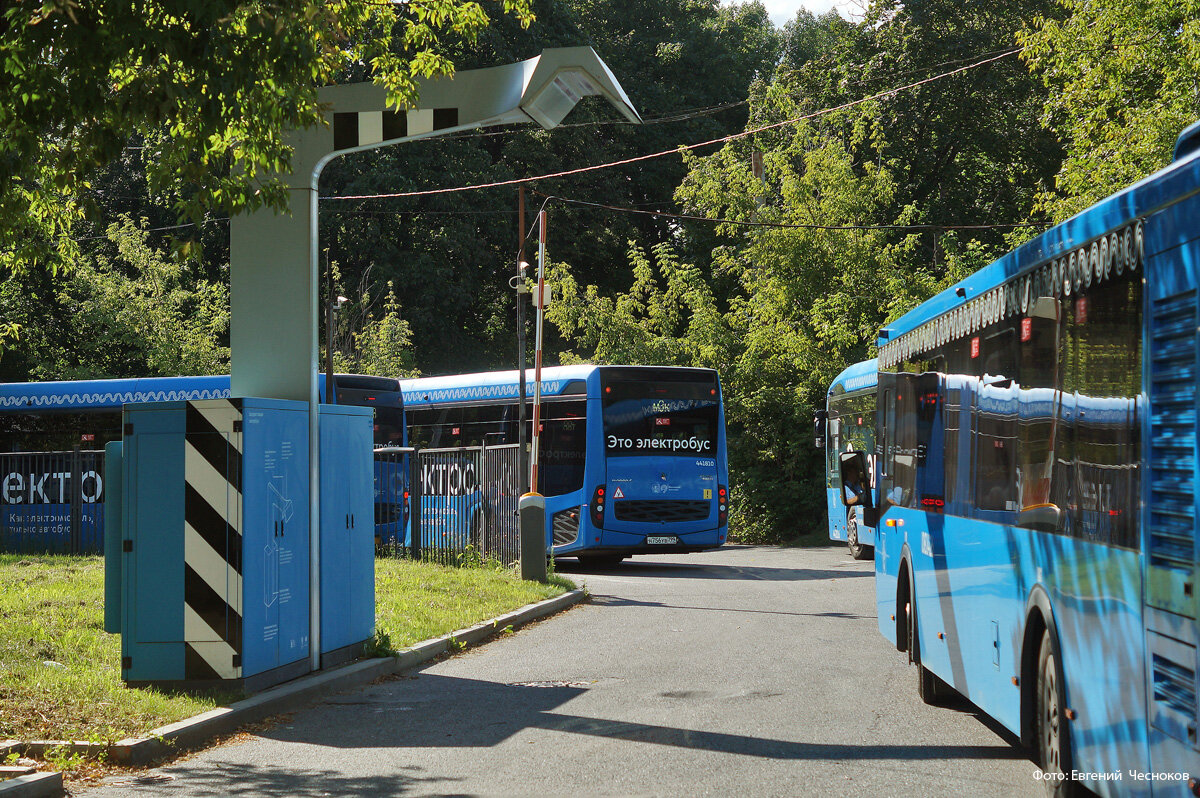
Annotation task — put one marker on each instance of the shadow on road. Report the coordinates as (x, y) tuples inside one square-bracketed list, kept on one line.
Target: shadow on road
[(224, 778), (603, 600), (707, 571), (440, 711)]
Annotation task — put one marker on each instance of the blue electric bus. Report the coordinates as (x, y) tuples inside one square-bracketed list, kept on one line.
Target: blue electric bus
[(52, 436), (631, 458), (847, 424), (1036, 485)]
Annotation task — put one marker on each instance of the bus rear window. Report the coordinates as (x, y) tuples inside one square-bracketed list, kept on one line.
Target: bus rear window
[(649, 417)]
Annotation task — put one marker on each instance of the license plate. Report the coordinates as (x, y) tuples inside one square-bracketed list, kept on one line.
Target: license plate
[(661, 540)]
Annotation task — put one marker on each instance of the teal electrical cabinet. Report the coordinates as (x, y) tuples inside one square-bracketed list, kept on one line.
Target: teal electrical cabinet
[(347, 545), (214, 543)]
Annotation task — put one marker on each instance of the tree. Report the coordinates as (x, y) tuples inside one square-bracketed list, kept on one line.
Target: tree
[(138, 313), (451, 256), (808, 299), (209, 87), (382, 346), (667, 317), (1123, 80)]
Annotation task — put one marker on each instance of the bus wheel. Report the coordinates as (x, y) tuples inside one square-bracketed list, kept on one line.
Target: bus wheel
[(1054, 736), (931, 689), (857, 550)]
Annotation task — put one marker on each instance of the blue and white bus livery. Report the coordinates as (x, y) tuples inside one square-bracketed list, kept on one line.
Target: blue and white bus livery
[(632, 457), (847, 424)]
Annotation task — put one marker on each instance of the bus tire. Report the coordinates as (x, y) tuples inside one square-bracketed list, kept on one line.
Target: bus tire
[(857, 550), (930, 687), (1053, 733)]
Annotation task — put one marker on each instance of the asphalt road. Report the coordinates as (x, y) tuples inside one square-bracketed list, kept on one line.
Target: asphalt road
[(745, 671)]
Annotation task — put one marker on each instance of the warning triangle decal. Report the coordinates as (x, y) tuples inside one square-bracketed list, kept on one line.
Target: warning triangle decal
[(617, 494)]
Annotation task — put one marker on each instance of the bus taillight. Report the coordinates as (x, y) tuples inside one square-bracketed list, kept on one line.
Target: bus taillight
[(597, 507), (722, 505)]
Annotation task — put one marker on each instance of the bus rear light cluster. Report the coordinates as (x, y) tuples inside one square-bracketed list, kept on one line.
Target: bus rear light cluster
[(599, 496), (722, 505)]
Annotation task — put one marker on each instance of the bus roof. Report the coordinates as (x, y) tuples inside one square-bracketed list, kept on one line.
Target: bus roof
[(1125, 206), (504, 385), (111, 394), (108, 394), (856, 377)]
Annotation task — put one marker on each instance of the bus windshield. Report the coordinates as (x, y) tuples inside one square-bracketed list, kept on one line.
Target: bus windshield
[(659, 417)]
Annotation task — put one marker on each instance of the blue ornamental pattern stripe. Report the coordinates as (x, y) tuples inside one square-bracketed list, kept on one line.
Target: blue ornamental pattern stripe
[(105, 399)]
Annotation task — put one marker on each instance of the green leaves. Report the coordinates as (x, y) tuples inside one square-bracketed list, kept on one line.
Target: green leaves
[(1122, 75), (216, 83), (128, 312), (381, 346)]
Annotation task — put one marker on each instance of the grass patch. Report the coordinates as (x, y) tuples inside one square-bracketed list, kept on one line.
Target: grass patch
[(60, 675), (60, 672), (416, 601)]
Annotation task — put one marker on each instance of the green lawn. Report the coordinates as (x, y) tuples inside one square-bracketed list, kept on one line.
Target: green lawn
[(60, 675)]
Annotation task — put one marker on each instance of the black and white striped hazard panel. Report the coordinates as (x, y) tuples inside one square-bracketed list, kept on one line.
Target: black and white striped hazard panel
[(363, 128), (212, 549)]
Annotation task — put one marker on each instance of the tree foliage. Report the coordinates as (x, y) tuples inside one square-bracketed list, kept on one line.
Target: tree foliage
[(1123, 79), (852, 223), (209, 87), (138, 312), (686, 65), (379, 345)]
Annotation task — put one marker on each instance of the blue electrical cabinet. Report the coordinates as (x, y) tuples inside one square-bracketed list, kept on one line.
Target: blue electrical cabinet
[(214, 543), (347, 544)]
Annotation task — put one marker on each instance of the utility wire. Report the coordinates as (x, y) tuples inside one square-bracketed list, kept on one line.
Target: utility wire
[(787, 225), (682, 147)]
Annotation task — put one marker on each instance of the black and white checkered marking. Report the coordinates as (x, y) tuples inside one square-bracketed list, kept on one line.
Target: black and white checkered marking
[(364, 128)]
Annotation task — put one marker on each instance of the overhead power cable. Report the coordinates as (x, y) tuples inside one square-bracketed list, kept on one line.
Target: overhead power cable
[(787, 225), (681, 147)]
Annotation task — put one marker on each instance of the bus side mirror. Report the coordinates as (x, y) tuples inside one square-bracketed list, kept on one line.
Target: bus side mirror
[(819, 419), (854, 474)]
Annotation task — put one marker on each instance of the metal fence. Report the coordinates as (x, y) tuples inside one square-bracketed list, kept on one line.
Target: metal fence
[(463, 502), (52, 502)]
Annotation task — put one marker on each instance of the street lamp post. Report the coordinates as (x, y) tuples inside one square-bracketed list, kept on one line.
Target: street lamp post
[(272, 299)]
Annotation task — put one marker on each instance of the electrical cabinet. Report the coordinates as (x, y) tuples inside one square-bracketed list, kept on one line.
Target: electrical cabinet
[(214, 543), (347, 544)]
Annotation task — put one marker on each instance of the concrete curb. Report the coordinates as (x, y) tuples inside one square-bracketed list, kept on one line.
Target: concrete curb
[(161, 742), (35, 785)]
